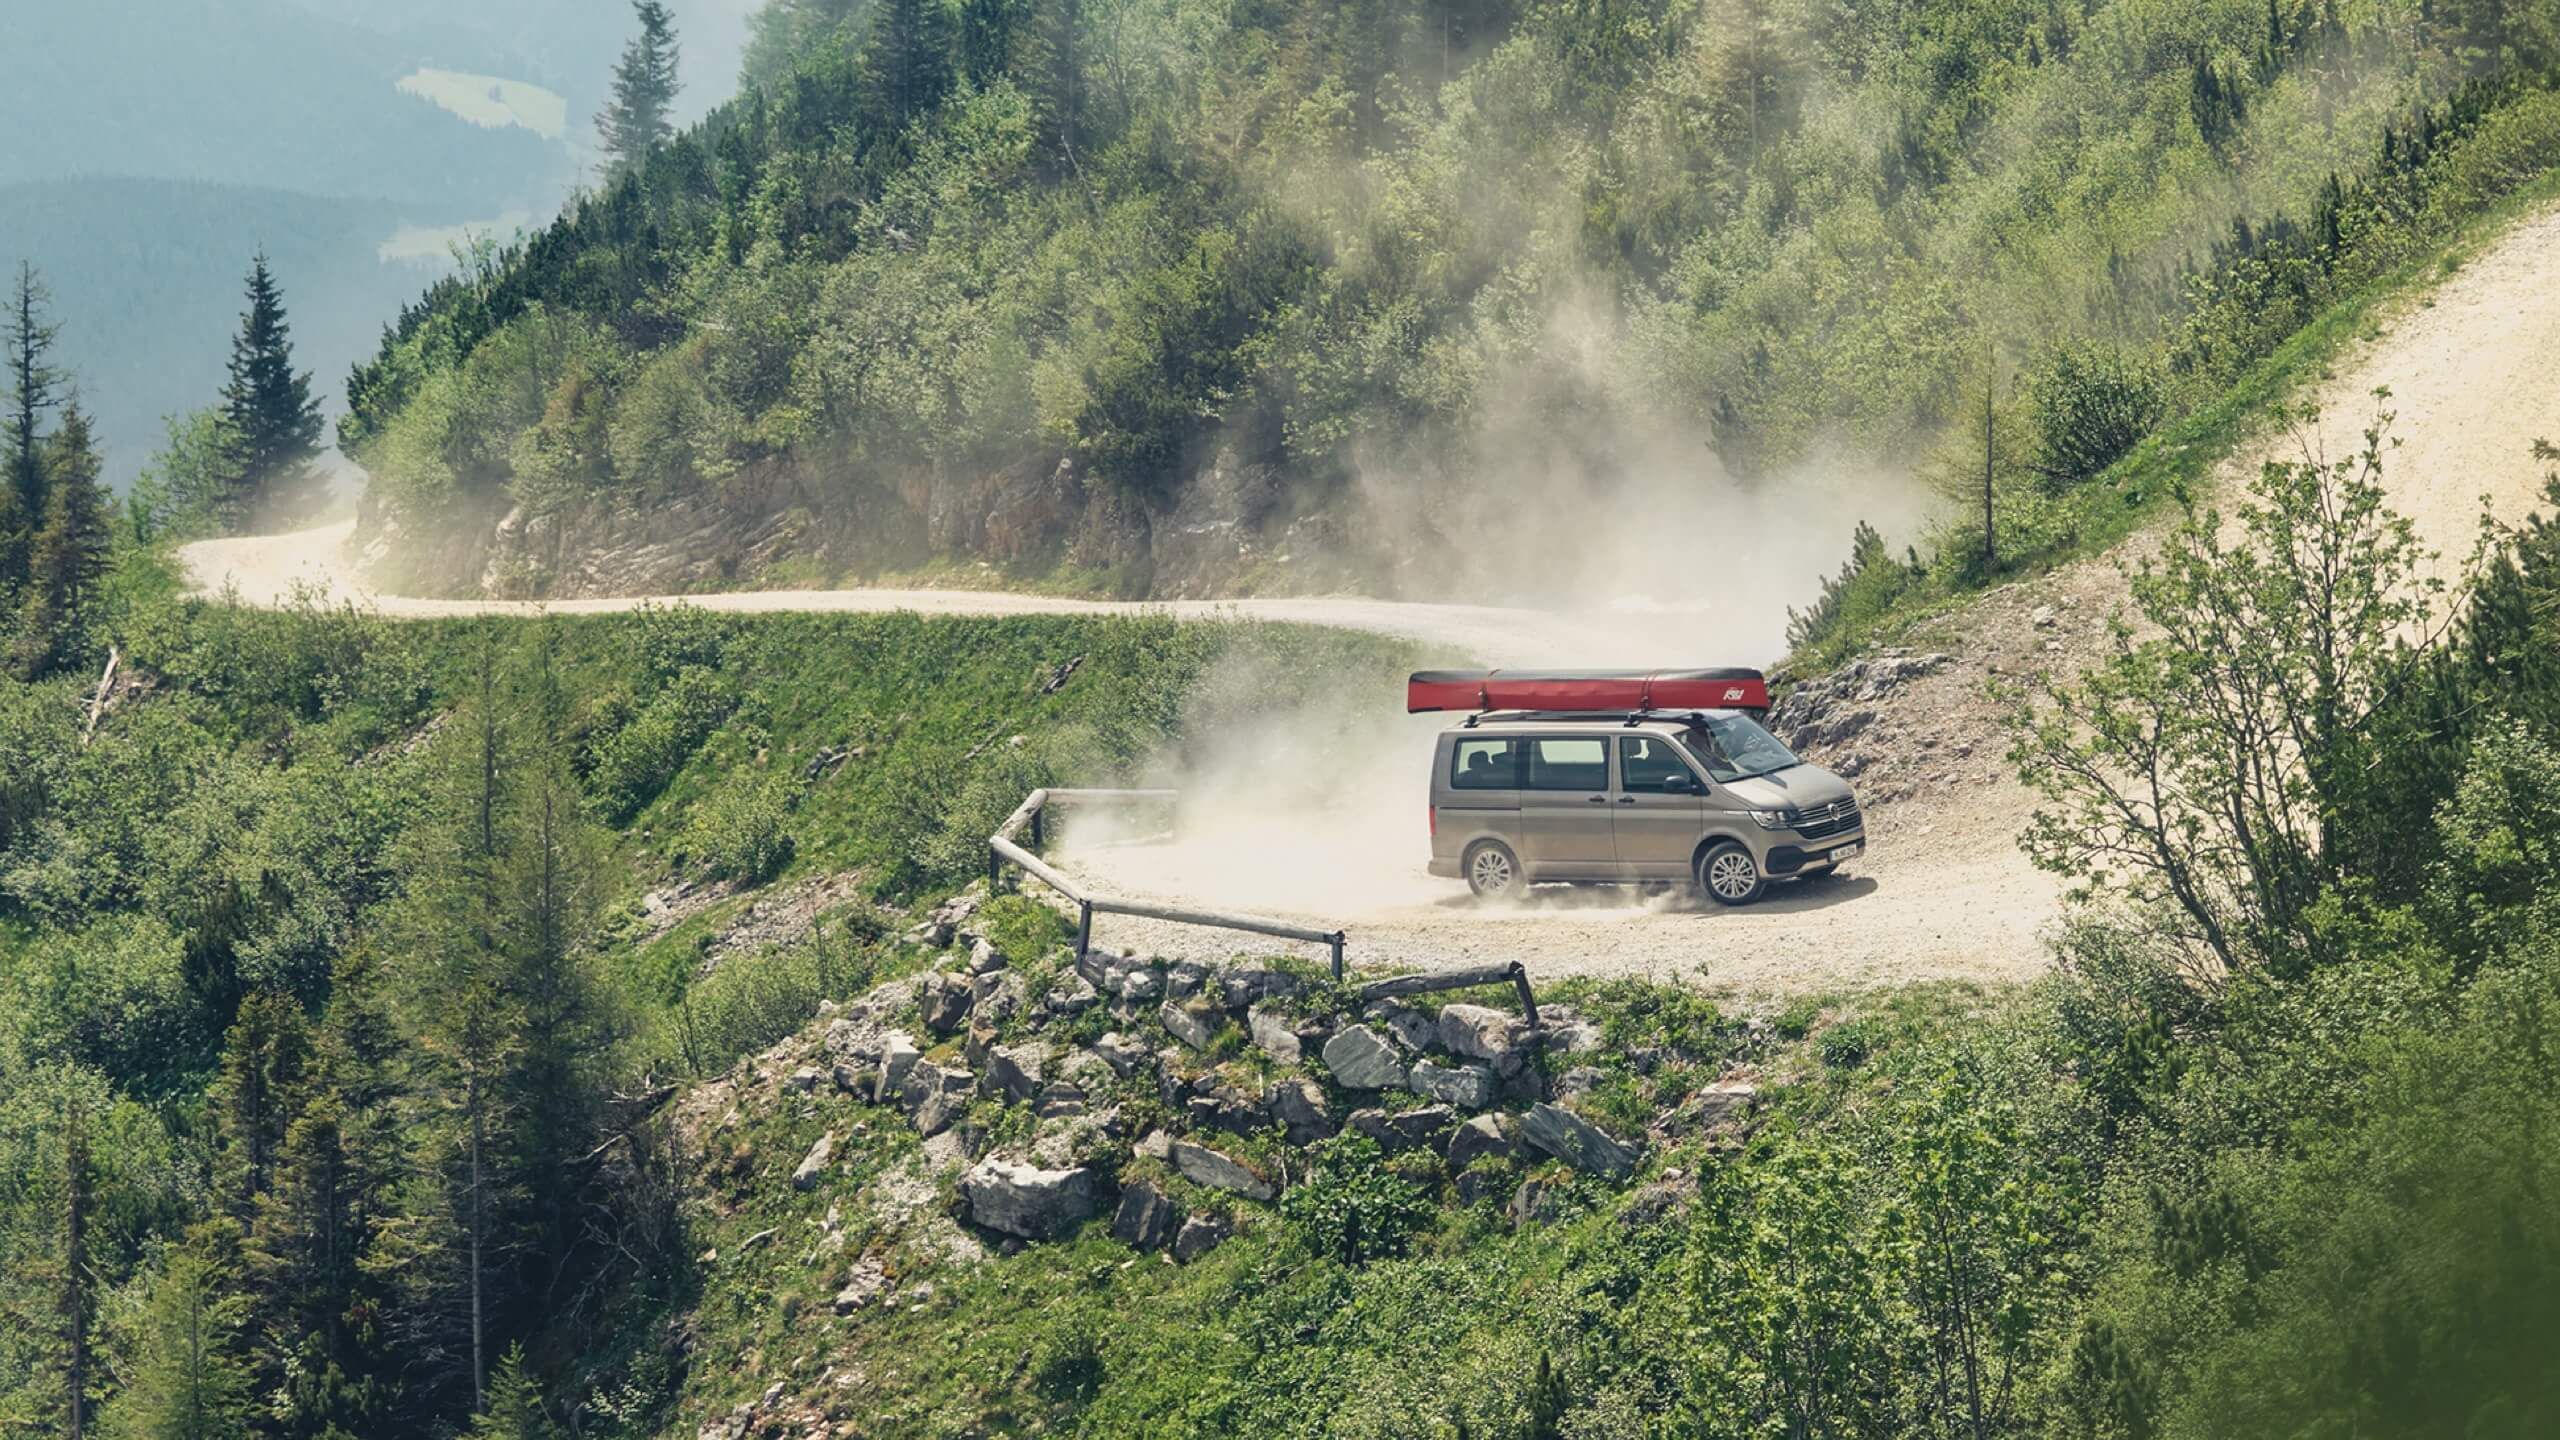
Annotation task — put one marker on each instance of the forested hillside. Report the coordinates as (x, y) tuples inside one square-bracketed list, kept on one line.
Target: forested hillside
[(1168, 297)]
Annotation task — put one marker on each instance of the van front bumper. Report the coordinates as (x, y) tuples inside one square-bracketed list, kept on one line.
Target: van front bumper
[(1796, 859)]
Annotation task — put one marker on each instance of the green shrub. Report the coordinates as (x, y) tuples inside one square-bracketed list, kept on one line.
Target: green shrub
[(2091, 404), (739, 830), (1866, 587), (631, 765), (1352, 1207)]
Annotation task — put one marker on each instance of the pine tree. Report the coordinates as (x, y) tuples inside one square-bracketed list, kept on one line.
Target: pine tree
[(275, 422), (77, 1202), (906, 65), (70, 551), (33, 391), (644, 89), (514, 1409), (259, 1087), (190, 1379)]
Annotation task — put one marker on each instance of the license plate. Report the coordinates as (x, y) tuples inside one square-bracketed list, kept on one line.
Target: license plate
[(1849, 851)]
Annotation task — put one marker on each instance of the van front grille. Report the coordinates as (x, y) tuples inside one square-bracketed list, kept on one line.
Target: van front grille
[(1823, 821)]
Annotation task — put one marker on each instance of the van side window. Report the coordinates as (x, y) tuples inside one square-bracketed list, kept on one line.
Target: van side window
[(1486, 765), (1580, 763), (1645, 761)]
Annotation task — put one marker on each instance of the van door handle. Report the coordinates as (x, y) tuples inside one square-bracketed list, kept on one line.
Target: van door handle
[(1597, 800), (1626, 799)]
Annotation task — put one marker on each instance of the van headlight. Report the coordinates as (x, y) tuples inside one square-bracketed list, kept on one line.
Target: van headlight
[(1772, 819)]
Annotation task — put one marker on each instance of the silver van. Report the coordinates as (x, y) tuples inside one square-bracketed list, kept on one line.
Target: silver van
[(1706, 797)]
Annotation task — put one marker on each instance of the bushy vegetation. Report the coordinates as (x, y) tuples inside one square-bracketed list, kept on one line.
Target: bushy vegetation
[(1459, 245)]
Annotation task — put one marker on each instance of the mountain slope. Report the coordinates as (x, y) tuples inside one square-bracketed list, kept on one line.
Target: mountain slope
[(1290, 297)]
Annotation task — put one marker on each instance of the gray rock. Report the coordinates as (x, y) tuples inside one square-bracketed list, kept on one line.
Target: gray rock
[(1198, 1236), (1576, 1142), (1184, 979), (1478, 1138), (1145, 1218), (1467, 1086), (1203, 1166), (1727, 1100), (1025, 1200), (1121, 1053), (1241, 988), (1475, 1185), (898, 1055), (1141, 987), (867, 1283), (1535, 1203), (1580, 1080), (803, 1080), (1372, 1122), (984, 958), (1275, 1033), (1360, 1060), (815, 1163), (944, 1003), (1058, 1101), (1422, 1128), (999, 996), (934, 1095), (1412, 1029), (1017, 1071), (1478, 1031), (1072, 995), (1298, 1107), (1192, 1024)]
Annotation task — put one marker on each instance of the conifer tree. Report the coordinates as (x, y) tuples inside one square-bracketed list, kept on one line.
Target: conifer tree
[(33, 392), (70, 550), (514, 1409), (644, 89), (906, 64), (191, 1379), (275, 422), (266, 1060)]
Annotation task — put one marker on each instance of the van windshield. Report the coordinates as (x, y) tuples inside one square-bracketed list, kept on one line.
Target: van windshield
[(1734, 747)]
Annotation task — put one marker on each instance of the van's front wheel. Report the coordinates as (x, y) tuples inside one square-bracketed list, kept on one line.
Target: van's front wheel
[(1729, 875), (1492, 870)]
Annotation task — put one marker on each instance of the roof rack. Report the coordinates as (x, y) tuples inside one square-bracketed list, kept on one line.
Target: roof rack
[(1629, 718)]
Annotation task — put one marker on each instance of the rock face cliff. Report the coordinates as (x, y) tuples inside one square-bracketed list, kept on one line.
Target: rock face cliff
[(1231, 528)]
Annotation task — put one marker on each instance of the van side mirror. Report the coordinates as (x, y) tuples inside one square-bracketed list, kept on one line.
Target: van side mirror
[(1679, 785)]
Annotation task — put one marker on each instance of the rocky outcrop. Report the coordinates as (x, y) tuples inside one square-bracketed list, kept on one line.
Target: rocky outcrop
[(1145, 1219), (1203, 1166), (1025, 1201), (1470, 1087), (1360, 1060), (815, 1163), (1568, 1137)]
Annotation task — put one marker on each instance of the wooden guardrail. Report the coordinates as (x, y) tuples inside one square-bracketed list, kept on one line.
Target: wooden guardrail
[(1006, 845)]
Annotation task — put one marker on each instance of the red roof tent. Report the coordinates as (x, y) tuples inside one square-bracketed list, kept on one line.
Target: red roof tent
[(1620, 690)]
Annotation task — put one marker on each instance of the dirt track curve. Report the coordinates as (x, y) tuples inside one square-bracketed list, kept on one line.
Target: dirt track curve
[(2474, 369)]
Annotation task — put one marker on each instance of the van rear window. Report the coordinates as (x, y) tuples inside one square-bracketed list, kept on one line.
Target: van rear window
[(1486, 765), (1576, 764)]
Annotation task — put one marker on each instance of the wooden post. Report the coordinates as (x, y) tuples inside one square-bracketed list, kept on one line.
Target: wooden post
[(1336, 944), (1084, 928)]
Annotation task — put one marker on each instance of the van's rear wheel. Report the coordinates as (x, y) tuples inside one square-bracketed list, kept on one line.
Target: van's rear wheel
[(1729, 875), (1492, 870)]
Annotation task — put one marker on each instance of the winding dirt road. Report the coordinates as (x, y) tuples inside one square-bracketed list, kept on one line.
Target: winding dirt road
[(2474, 367)]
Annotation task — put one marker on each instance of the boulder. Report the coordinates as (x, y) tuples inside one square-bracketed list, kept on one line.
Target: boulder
[(1017, 1071), (1470, 1087), (1241, 988), (1412, 1029), (1580, 1080), (1535, 1203), (1422, 1128), (984, 958), (934, 1096), (1058, 1101), (804, 1080), (1198, 1236), (1072, 995), (1360, 1060), (1575, 1141), (999, 996), (1141, 987), (1298, 1107), (1727, 1100), (1275, 1033), (898, 1055), (1193, 1024), (1477, 1031), (1121, 1053), (1145, 1218), (815, 1163), (1184, 979), (1203, 1166), (1478, 1138), (1025, 1200), (943, 1002)]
